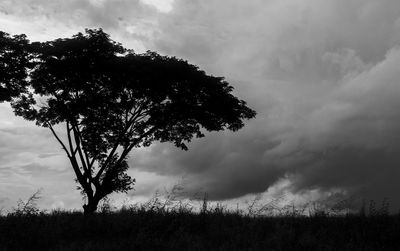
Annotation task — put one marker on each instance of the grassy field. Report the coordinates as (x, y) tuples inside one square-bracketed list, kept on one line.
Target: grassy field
[(148, 229)]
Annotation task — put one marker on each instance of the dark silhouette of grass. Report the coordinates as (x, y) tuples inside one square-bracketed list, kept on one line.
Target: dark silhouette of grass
[(166, 222), (140, 228)]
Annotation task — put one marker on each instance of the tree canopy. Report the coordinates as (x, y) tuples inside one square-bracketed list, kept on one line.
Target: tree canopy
[(13, 64), (111, 100)]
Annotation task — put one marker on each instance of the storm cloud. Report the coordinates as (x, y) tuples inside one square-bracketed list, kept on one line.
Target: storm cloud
[(322, 75)]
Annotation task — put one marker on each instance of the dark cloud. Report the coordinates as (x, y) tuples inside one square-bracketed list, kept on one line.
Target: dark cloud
[(222, 164), (322, 75), (323, 78)]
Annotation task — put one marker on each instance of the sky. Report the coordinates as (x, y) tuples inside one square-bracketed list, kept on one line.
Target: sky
[(322, 75)]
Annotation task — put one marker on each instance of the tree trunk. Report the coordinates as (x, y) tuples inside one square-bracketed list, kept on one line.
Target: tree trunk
[(90, 207)]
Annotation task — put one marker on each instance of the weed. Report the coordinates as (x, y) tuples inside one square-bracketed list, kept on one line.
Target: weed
[(28, 207)]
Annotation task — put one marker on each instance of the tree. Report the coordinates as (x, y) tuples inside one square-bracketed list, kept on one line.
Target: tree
[(111, 100), (13, 64)]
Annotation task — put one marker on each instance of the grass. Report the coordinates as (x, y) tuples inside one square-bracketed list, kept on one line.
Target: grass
[(146, 228), (168, 223)]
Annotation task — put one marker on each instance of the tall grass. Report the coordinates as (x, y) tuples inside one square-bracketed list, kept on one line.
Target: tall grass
[(171, 224), (137, 228)]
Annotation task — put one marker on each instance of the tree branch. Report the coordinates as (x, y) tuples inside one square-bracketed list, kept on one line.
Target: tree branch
[(73, 161), (127, 150), (58, 139), (86, 155), (71, 147), (78, 147), (128, 125)]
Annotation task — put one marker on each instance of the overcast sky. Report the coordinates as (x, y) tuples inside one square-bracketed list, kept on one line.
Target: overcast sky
[(323, 76)]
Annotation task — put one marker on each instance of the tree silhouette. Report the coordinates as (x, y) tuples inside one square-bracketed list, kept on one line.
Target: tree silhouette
[(111, 100), (13, 64)]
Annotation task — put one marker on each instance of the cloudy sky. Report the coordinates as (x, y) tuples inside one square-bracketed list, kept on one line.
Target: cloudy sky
[(323, 76)]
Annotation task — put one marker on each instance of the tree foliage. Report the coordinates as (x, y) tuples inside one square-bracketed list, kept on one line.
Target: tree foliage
[(111, 100), (13, 64)]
